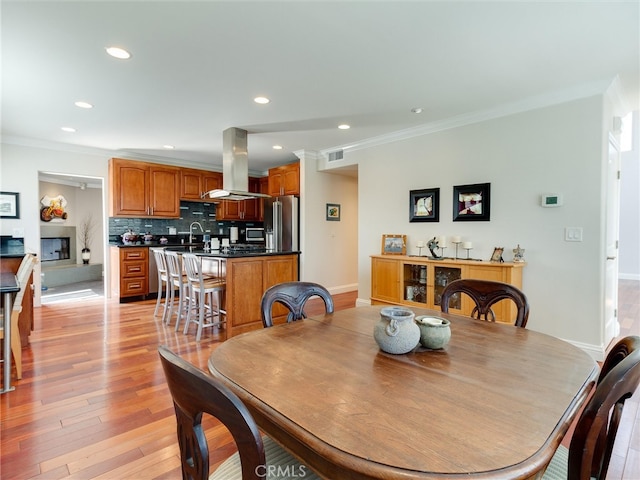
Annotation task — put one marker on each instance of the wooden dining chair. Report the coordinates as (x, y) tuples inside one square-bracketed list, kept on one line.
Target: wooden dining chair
[(195, 393), (24, 272), (486, 293), (592, 442), (292, 295)]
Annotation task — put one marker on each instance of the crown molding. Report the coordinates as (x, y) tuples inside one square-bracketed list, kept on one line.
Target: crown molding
[(531, 103)]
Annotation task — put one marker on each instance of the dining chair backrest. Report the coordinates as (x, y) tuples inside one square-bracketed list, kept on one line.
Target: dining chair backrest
[(486, 293), (195, 393), (592, 442), (24, 272), (292, 295)]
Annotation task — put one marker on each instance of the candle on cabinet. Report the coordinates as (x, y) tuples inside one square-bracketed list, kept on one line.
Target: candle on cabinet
[(456, 239), (442, 241), (420, 244), (467, 245)]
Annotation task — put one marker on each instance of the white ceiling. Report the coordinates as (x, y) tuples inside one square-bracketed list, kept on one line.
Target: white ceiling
[(197, 66)]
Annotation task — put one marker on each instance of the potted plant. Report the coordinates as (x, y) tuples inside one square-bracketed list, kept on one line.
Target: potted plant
[(85, 235)]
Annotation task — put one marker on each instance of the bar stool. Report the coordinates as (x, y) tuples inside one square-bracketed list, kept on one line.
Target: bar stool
[(177, 281), (163, 281), (201, 296)]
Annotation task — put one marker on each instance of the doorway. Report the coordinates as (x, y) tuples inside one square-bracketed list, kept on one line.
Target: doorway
[(72, 216)]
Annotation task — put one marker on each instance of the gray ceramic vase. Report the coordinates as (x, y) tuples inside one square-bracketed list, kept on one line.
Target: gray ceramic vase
[(435, 332), (396, 332)]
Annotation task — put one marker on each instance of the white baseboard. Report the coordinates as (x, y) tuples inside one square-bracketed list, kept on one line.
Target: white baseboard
[(343, 289), (629, 276)]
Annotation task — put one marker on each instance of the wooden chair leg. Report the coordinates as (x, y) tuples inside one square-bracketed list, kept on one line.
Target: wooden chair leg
[(16, 346)]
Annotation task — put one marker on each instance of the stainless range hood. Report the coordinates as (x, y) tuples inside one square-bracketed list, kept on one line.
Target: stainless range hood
[(235, 168)]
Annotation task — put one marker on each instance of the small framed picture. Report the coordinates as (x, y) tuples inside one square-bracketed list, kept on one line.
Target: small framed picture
[(9, 205), (471, 202), (424, 205), (394, 244), (497, 254), (333, 212)]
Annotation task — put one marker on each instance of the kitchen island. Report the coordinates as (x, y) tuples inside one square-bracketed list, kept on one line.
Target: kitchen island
[(249, 273)]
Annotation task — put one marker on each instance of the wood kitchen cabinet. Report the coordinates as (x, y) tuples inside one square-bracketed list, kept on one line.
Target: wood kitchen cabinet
[(245, 210), (139, 189), (193, 183), (284, 180), (247, 280), (129, 272), (419, 281)]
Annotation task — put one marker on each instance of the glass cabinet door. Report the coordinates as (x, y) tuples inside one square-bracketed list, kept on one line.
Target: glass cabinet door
[(443, 276), (414, 287)]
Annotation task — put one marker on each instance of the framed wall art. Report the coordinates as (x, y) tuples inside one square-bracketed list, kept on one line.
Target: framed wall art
[(424, 205), (394, 244), (471, 202), (9, 205), (333, 212)]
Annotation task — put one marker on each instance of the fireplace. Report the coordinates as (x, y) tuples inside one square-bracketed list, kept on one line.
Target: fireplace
[(55, 248)]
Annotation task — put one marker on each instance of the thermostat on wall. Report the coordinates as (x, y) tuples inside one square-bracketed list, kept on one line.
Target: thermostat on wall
[(550, 200)]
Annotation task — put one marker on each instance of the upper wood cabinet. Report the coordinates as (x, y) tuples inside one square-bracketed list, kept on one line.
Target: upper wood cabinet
[(246, 210), (193, 183), (139, 189), (284, 180)]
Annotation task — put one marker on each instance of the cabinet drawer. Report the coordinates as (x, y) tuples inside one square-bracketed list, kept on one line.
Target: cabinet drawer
[(133, 286), (133, 254), (133, 269)]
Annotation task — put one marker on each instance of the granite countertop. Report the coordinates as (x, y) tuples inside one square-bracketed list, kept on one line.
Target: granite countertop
[(230, 254)]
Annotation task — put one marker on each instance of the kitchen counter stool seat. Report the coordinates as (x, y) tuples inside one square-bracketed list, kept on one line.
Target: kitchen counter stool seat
[(178, 281), (163, 282), (206, 296)]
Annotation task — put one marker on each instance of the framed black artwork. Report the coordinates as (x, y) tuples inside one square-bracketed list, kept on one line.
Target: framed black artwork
[(424, 205), (9, 205), (472, 202)]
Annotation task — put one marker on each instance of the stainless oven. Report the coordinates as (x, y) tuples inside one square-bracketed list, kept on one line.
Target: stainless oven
[(254, 235)]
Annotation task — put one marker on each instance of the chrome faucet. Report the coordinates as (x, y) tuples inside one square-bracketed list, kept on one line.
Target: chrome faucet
[(191, 230)]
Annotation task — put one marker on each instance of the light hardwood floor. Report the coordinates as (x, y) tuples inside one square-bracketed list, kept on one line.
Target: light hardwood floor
[(93, 403)]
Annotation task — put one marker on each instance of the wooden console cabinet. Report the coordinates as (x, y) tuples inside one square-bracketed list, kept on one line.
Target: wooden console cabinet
[(419, 281)]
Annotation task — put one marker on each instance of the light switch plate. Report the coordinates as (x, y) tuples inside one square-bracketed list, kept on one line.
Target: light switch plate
[(18, 233), (573, 234)]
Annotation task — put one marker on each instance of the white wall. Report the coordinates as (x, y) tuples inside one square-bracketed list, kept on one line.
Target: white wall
[(554, 149), (19, 171), (329, 248)]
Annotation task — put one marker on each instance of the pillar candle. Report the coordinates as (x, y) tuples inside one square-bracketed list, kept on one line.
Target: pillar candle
[(420, 244), (442, 241), (468, 245), (456, 239)]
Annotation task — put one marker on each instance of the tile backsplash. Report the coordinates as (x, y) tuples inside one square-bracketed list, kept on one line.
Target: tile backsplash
[(203, 213)]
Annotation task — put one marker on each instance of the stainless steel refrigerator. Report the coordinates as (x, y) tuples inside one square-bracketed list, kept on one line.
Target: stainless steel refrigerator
[(281, 219)]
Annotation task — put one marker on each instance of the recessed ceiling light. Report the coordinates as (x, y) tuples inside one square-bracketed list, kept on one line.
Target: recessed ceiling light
[(83, 105), (344, 126), (277, 147), (261, 100), (169, 147), (68, 129), (118, 52), (416, 110)]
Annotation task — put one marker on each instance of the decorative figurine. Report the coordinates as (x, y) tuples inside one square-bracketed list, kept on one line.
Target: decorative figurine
[(433, 244), (518, 254)]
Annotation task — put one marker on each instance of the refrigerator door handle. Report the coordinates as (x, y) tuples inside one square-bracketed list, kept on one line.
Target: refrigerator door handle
[(277, 225)]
